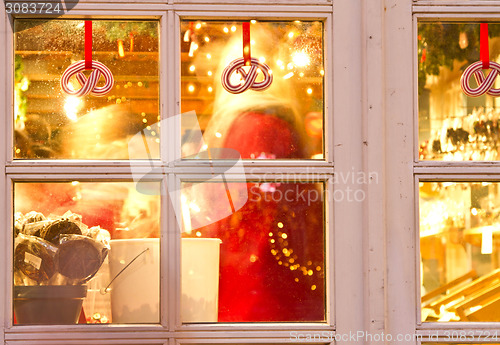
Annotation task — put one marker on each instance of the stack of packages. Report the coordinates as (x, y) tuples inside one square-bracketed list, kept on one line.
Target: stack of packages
[(58, 250)]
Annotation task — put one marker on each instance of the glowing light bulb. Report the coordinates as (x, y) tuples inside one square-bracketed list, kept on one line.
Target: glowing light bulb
[(322, 72), (210, 89), (198, 26), (279, 62), (233, 28), (191, 88), (218, 135), (290, 65), (301, 59), (209, 73), (226, 30), (253, 21), (262, 59), (207, 39), (280, 225), (71, 106), (192, 68), (309, 91), (290, 34), (209, 56), (121, 52), (192, 47)]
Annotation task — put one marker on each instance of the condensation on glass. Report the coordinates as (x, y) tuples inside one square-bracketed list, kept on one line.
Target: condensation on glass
[(284, 121), (72, 240), (49, 124), (453, 126), (252, 252), (460, 251)]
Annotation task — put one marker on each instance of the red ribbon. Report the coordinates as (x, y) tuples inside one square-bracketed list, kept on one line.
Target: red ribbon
[(484, 50), (88, 44), (246, 44)]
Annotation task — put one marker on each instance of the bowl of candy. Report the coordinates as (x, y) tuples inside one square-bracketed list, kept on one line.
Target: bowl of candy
[(54, 258)]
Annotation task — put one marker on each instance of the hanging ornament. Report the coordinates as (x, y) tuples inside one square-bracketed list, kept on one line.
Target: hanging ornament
[(248, 77), (485, 84), (88, 86)]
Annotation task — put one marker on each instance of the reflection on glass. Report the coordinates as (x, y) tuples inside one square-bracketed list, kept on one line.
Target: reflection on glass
[(72, 239), (453, 126), (284, 121), (460, 251), (252, 252), (49, 124)]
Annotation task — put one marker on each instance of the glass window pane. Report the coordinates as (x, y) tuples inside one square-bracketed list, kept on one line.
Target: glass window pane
[(460, 251), (50, 124), (72, 239), (452, 125), (284, 121), (253, 252)]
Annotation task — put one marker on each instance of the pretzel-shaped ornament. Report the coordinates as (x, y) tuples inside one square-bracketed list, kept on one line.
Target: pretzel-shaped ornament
[(89, 86), (485, 83), (248, 78)]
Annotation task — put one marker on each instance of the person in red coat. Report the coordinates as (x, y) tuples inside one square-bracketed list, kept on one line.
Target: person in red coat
[(272, 256)]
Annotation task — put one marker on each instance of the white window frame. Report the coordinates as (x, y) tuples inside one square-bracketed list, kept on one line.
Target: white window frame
[(345, 257), (403, 245)]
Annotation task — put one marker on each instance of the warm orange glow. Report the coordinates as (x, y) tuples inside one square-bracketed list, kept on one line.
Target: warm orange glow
[(121, 52), (314, 124), (131, 43)]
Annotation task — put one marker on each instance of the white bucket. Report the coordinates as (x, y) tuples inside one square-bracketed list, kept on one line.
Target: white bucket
[(200, 279), (135, 293)]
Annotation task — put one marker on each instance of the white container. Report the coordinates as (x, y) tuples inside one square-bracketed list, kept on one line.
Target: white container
[(135, 293), (200, 279)]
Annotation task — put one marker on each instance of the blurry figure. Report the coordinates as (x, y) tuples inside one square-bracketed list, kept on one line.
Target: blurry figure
[(105, 134)]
